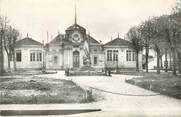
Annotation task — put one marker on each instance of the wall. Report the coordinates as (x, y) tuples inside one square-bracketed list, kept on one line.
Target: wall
[(25, 59), (50, 63), (68, 58), (122, 62)]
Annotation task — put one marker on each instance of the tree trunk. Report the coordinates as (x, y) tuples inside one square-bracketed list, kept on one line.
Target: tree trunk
[(158, 61), (147, 55), (170, 61), (14, 60), (166, 61), (137, 61), (179, 62), (8, 56), (161, 62), (1, 56), (174, 61), (9, 64)]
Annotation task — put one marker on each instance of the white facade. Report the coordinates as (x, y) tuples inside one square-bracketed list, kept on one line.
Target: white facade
[(122, 58), (28, 55), (120, 55), (25, 60), (75, 49)]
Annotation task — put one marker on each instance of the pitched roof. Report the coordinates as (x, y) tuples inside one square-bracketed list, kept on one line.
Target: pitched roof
[(75, 26), (118, 42), (27, 41), (57, 39), (92, 40), (60, 39)]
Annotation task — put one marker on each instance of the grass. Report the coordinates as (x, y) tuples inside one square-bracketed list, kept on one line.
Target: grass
[(22, 72), (41, 91), (164, 83)]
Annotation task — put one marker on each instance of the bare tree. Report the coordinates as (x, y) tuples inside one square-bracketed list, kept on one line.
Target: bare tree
[(147, 32), (3, 24), (7, 45), (137, 43), (8, 37), (169, 28), (11, 36), (15, 35)]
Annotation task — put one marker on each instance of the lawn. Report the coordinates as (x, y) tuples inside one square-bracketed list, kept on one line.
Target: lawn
[(41, 91), (164, 83)]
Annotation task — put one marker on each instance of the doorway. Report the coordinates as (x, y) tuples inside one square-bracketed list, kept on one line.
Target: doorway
[(76, 59)]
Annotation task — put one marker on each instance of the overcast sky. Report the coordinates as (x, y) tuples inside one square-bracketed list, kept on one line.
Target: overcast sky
[(102, 18)]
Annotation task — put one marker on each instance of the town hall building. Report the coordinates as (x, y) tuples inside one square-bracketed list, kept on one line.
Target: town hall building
[(75, 49)]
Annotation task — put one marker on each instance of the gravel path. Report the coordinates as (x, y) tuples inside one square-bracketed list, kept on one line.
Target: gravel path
[(146, 105), (116, 105)]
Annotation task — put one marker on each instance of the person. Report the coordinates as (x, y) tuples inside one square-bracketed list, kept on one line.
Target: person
[(106, 71), (109, 72), (67, 72)]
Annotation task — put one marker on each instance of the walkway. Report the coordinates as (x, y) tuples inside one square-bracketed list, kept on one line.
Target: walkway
[(113, 104)]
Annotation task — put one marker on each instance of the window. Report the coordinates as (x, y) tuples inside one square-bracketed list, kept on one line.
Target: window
[(109, 55), (115, 55), (32, 56), (18, 55), (35, 56), (55, 59), (130, 55), (39, 56), (134, 56), (95, 60)]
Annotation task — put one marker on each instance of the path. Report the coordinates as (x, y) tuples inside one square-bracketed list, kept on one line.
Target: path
[(119, 105)]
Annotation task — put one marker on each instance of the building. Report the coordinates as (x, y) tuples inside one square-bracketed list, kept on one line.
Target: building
[(119, 54), (74, 49), (28, 54)]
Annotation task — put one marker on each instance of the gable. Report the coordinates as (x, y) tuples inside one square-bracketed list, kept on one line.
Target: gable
[(58, 39), (92, 40), (28, 41), (118, 42)]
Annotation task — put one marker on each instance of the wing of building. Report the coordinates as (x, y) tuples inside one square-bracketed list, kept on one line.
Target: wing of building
[(120, 54), (28, 54)]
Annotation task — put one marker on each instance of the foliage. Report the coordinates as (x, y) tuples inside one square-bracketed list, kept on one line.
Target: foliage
[(162, 34), (8, 37)]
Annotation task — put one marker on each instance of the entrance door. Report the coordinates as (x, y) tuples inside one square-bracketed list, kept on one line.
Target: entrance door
[(75, 59)]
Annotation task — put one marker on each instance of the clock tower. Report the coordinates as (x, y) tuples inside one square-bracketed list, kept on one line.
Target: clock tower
[(76, 34)]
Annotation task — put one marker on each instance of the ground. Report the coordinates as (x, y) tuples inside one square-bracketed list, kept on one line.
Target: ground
[(35, 90), (112, 100), (164, 83)]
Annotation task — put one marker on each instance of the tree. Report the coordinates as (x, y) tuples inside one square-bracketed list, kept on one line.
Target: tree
[(158, 42), (3, 24), (11, 36), (7, 44), (177, 13), (8, 37), (147, 32), (137, 44), (169, 28), (1, 47), (15, 35)]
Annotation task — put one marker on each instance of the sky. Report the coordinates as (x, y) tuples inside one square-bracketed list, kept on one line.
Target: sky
[(102, 18)]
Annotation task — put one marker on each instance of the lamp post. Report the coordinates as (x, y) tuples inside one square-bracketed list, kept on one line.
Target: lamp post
[(117, 65)]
